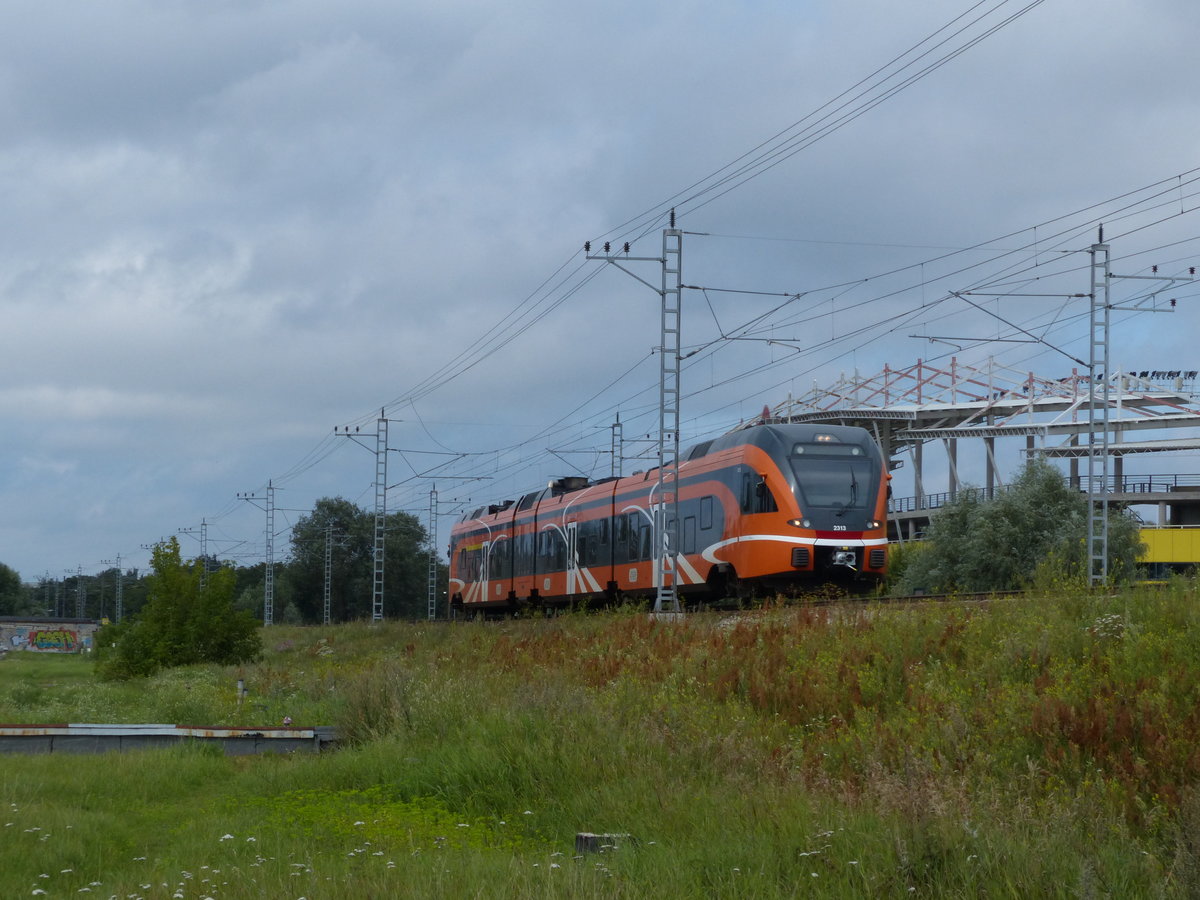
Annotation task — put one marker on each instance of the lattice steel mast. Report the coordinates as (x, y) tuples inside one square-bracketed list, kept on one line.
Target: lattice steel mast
[(432, 584), (268, 506), (381, 451), (1098, 413), (665, 511), (328, 593)]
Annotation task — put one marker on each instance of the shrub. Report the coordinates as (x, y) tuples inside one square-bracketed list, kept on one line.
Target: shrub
[(187, 619), (975, 544)]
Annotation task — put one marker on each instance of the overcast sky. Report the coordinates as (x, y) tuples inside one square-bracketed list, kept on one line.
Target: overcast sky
[(231, 226)]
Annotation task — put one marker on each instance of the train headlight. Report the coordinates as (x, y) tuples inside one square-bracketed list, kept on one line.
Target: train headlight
[(800, 523), (873, 524)]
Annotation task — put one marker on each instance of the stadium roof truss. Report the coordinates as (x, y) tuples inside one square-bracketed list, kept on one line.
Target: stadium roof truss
[(908, 407)]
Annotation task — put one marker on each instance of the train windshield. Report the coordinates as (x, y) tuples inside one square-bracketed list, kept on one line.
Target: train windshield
[(834, 476)]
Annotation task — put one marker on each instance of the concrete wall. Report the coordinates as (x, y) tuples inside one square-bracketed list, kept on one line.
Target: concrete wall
[(47, 635), (84, 738)]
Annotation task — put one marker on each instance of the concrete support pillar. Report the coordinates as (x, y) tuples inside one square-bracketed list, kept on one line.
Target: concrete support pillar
[(989, 448), (918, 475), (952, 458)]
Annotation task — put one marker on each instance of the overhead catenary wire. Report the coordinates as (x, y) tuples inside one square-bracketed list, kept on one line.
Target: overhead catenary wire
[(899, 319), (553, 290), (556, 290), (813, 126)]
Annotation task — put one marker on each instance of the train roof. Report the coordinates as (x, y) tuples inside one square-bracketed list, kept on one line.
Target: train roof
[(770, 437), (778, 434)]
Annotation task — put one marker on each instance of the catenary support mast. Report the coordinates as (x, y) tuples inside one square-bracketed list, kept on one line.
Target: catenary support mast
[(665, 505), (381, 452), (432, 582), (267, 504), (1098, 412)]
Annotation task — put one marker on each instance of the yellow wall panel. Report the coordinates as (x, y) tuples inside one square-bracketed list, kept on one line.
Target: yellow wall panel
[(1171, 545)]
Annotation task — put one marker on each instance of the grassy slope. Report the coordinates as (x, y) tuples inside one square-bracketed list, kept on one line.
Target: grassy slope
[(1006, 749)]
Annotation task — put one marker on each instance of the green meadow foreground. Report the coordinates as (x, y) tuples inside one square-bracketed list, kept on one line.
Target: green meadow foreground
[(1015, 748)]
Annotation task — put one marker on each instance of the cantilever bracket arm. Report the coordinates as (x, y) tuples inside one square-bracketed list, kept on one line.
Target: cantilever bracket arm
[(614, 262)]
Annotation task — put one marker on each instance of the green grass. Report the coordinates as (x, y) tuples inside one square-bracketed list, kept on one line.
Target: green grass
[(1007, 749)]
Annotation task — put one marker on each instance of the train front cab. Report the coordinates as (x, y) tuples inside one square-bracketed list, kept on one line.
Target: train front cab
[(803, 504)]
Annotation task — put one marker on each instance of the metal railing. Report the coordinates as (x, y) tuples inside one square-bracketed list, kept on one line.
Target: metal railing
[(1128, 484)]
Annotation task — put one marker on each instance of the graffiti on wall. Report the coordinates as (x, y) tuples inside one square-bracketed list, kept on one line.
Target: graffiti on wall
[(60, 640), (47, 637)]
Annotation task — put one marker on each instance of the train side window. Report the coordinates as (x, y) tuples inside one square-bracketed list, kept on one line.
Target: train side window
[(764, 500), (644, 541), (689, 534), (706, 513), (604, 532), (756, 496), (526, 554)]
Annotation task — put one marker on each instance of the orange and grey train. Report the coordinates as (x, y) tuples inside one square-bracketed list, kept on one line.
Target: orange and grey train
[(766, 508)]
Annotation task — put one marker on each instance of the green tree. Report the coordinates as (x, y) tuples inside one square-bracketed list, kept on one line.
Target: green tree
[(183, 621), (12, 598), (974, 544), (406, 563)]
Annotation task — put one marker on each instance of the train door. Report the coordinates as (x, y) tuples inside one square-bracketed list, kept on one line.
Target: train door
[(485, 567), (572, 557)]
